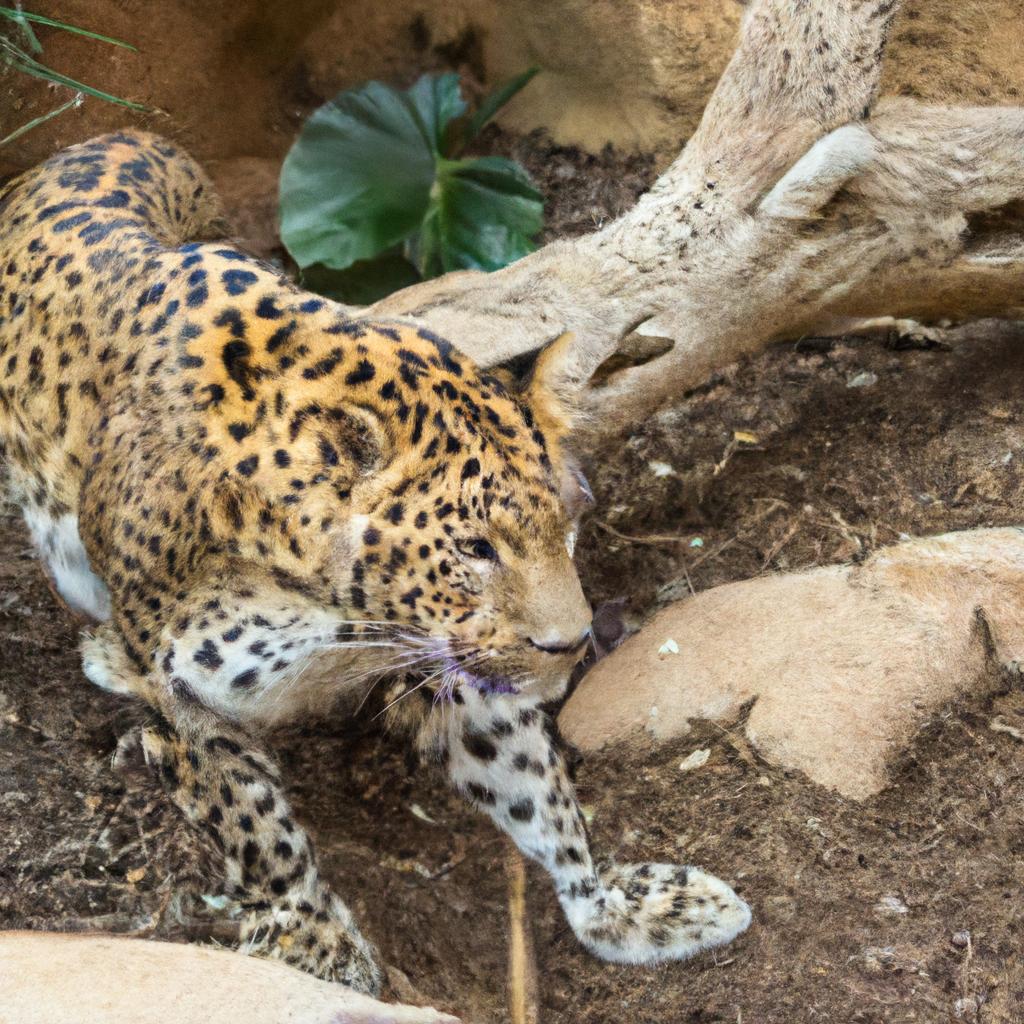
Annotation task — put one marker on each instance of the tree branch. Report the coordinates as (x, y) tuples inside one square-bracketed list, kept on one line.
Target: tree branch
[(789, 211)]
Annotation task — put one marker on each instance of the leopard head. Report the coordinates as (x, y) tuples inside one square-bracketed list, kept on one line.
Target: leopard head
[(462, 538)]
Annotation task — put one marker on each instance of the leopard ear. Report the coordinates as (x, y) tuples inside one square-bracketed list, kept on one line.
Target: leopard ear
[(577, 497), (553, 387), (363, 436)]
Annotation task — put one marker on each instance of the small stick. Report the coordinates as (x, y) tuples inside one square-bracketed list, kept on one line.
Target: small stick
[(522, 967), (652, 538), (999, 724)]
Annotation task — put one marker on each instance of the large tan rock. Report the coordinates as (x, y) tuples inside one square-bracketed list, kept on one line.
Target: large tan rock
[(844, 663), (636, 73), (50, 978)]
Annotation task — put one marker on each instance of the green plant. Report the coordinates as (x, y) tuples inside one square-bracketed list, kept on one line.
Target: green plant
[(23, 57), (375, 193)]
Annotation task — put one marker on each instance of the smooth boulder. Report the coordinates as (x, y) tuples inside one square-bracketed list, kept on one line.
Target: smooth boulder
[(843, 663)]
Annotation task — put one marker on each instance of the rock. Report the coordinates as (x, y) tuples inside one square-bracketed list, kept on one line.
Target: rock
[(67, 979), (879, 959), (864, 379), (634, 73), (695, 760), (889, 960), (638, 73), (843, 663), (609, 626), (891, 905), (967, 1008)]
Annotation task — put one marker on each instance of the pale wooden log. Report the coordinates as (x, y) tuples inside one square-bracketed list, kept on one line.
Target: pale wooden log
[(789, 212), (791, 79), (910, 214)]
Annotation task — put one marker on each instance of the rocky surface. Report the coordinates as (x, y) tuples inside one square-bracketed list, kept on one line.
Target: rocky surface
[(831, 671)]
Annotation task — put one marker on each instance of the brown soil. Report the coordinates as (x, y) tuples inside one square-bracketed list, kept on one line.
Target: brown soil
[(902, 909), (228, 81)]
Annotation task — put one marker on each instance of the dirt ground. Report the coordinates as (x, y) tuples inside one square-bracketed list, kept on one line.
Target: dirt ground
[(905, 908)]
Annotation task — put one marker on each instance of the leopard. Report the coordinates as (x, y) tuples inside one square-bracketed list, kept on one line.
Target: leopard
[(261, 507)]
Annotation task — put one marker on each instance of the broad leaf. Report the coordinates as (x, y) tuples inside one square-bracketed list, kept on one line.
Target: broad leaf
[(358, 179), (437, 99), (483, 214)]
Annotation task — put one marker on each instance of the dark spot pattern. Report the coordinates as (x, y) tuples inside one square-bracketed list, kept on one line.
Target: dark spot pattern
[(219, 434)]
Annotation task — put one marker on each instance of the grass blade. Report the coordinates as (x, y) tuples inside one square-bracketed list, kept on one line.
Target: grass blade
[(18, 17), (75, 101), (21, 61), (23, 17)]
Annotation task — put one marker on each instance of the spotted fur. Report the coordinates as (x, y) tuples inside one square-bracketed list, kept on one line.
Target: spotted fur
[(268, 506)]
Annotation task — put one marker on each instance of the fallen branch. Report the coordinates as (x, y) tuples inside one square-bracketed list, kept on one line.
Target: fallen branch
[(523, 1006), (648, 540), (790, 212)]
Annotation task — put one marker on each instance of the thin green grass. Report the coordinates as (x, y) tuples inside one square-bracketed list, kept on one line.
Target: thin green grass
[(22, 57), (24, 18), (75, 101)]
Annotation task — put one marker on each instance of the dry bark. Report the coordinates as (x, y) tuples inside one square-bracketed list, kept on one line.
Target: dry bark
[(796, 207)]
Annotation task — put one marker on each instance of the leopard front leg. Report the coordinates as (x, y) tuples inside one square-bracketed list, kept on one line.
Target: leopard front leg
[(220, 662), (228, 787), (498, 751)]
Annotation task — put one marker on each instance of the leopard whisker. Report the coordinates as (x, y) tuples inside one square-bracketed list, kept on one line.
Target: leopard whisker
[(405, 693), (402, 659), (442, 670), (379, 674)]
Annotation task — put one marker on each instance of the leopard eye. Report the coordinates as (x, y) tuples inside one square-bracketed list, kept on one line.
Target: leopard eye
[(478, 548)]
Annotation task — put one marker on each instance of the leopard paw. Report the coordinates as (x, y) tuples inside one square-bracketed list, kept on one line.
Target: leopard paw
[(644, 913), (321, 940)]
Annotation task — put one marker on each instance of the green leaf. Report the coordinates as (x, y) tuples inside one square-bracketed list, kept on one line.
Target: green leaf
[(483, 215), (437, 99), (358, 179), (368, 175), (495, 100), (21, 17), (364, 282)]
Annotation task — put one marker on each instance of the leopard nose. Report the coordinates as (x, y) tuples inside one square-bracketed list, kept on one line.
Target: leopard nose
[(554, 644)]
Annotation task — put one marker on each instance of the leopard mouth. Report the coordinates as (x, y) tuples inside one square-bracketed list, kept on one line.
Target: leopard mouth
[(440, 666), (460, 675)]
